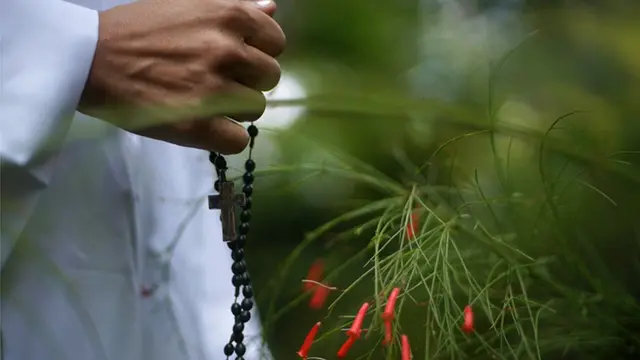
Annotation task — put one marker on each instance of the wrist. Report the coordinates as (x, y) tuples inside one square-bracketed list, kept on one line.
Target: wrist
[(94, 94)]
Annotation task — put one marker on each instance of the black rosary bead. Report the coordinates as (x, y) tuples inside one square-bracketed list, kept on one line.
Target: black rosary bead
[(244, 316), (248, 177), (240, 278), (238, 267), (247, 291), (229, 349), (247, 304), (246, 279), (252, 130), (245, 216), (212, 157), (240, 349), (238, 338), (220, 163), (240, 241), (250, 165), (243, 229), (238, 327), (236, 309), (248, 203), (247, 190), (237, 280), (237, 254)]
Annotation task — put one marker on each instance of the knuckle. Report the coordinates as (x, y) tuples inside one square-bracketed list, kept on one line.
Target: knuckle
[(230, 53), (196, 73), (213, 86), (233, 13)]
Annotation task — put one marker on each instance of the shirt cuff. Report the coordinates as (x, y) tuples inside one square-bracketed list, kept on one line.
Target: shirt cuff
[(46, 53)]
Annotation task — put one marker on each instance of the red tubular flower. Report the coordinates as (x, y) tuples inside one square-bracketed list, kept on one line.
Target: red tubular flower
[(319, 297), (413, 225), (315, 273), (354, 332), (406, 349), (388, 333), (356, 327), (467, 325), (389, 315), (390, 309), (320, 291), (308, 341), (344, 349)]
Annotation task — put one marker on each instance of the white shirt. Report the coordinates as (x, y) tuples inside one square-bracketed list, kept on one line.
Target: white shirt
[(92, 215)]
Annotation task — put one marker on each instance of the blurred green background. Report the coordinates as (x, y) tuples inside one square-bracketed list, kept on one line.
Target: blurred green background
[(510, 125)]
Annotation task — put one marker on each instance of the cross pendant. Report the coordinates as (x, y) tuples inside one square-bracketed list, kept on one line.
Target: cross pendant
[(226, 202)]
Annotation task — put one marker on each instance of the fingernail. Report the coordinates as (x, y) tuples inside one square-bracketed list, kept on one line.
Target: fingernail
[(263, 3)]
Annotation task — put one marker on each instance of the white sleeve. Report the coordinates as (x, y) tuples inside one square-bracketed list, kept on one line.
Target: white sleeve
[(46, 52)]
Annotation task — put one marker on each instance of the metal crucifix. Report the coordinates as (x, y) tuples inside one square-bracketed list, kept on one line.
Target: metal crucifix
[(226, 202)]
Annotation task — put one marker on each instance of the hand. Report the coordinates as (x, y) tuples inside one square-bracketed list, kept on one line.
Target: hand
[(177, 70)]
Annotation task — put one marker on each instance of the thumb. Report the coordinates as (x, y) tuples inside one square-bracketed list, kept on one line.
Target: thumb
[(267, 6)]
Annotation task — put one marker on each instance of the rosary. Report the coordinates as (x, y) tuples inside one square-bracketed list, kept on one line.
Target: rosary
[(226, 202)]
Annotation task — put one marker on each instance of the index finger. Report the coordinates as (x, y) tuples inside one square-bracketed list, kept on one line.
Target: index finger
[(264, 33)]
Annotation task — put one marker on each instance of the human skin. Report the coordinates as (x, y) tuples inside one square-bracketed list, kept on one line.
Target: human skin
[(199, 55)]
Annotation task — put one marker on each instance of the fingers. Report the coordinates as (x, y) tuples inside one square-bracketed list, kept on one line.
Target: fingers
[(260, 30), (252, 62), (266, 35), (238, 73), (238, 102), (207, 123), (260, 71), (218, 134)]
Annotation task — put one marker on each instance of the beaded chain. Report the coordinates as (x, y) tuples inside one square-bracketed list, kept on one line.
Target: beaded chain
[(240, 279)]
